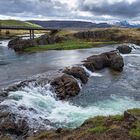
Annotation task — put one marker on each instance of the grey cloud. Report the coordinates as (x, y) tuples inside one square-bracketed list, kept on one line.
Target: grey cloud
[(118, 9), (33, 7), (57, 9)]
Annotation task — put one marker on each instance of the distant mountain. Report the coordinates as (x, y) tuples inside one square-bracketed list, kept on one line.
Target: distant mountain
[(126, 24), (69, 24), (17, 23)]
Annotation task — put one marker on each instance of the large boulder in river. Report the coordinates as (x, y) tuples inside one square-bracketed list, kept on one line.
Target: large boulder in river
[(77, 72), (96, 62), (65, 86), (124, 49), (115, 60), (109, 59)]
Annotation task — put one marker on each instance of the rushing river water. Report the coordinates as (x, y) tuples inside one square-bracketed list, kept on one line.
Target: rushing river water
[(106, 93)]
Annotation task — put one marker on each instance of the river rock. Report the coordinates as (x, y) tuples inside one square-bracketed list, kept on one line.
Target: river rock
[(124, 49), (65, 86), (116, 61), (77, 72), (108, 59), (96, 35), (9, 123), (97, 62), (47, 39), (19, 44)]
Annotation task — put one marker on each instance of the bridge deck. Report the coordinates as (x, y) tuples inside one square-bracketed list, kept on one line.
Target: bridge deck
[(23, 28), (31, 29)]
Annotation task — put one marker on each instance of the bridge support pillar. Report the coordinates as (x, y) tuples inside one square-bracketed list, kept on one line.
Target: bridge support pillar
[(32, 35)]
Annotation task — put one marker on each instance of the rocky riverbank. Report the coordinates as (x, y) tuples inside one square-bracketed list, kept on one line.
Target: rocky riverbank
[(19, 44), (119, 127)]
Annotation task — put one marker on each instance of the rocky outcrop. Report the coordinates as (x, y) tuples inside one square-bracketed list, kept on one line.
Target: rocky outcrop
[(105, 35), (78, 73), (10, 124), (124, 49), (65, 86), (116, 61), (96, 62), (99, 34), (111, 59), (19, 44), (48, 39)]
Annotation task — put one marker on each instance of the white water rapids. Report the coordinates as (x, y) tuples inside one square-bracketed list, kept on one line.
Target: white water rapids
[(42, 110)]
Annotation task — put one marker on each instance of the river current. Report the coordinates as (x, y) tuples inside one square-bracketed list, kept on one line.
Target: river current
[(106, 93)]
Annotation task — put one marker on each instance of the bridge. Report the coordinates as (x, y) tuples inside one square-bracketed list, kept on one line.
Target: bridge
[(30, 29)]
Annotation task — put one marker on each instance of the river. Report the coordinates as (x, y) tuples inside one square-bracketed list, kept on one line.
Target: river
[(106, 93)]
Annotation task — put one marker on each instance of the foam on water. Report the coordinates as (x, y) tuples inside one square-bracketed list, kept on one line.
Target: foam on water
[(4, 43), (131, 55), (90, 73), (41, 108)]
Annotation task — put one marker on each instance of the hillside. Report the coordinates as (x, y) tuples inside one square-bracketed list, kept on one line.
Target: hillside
[(17, 23), (69, 24)]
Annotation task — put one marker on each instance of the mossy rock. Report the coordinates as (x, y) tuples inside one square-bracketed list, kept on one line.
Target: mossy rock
[(135, 112)]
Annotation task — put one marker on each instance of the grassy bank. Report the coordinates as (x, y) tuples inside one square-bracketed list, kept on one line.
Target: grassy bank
[(119, 127), (100, 37), (69, 44), (12, 33), (17, 23)]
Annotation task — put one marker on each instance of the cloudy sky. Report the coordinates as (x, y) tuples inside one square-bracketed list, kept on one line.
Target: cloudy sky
[(92, 10)]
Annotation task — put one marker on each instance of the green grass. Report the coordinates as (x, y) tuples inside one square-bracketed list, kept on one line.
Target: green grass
[(17, 23), (135, 132), (98, 129), (135, 112), (117, 118), (68, 45), (97, 124)]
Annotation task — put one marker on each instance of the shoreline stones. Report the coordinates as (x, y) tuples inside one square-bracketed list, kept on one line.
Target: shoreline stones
[(124, 49), (19, 44)]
